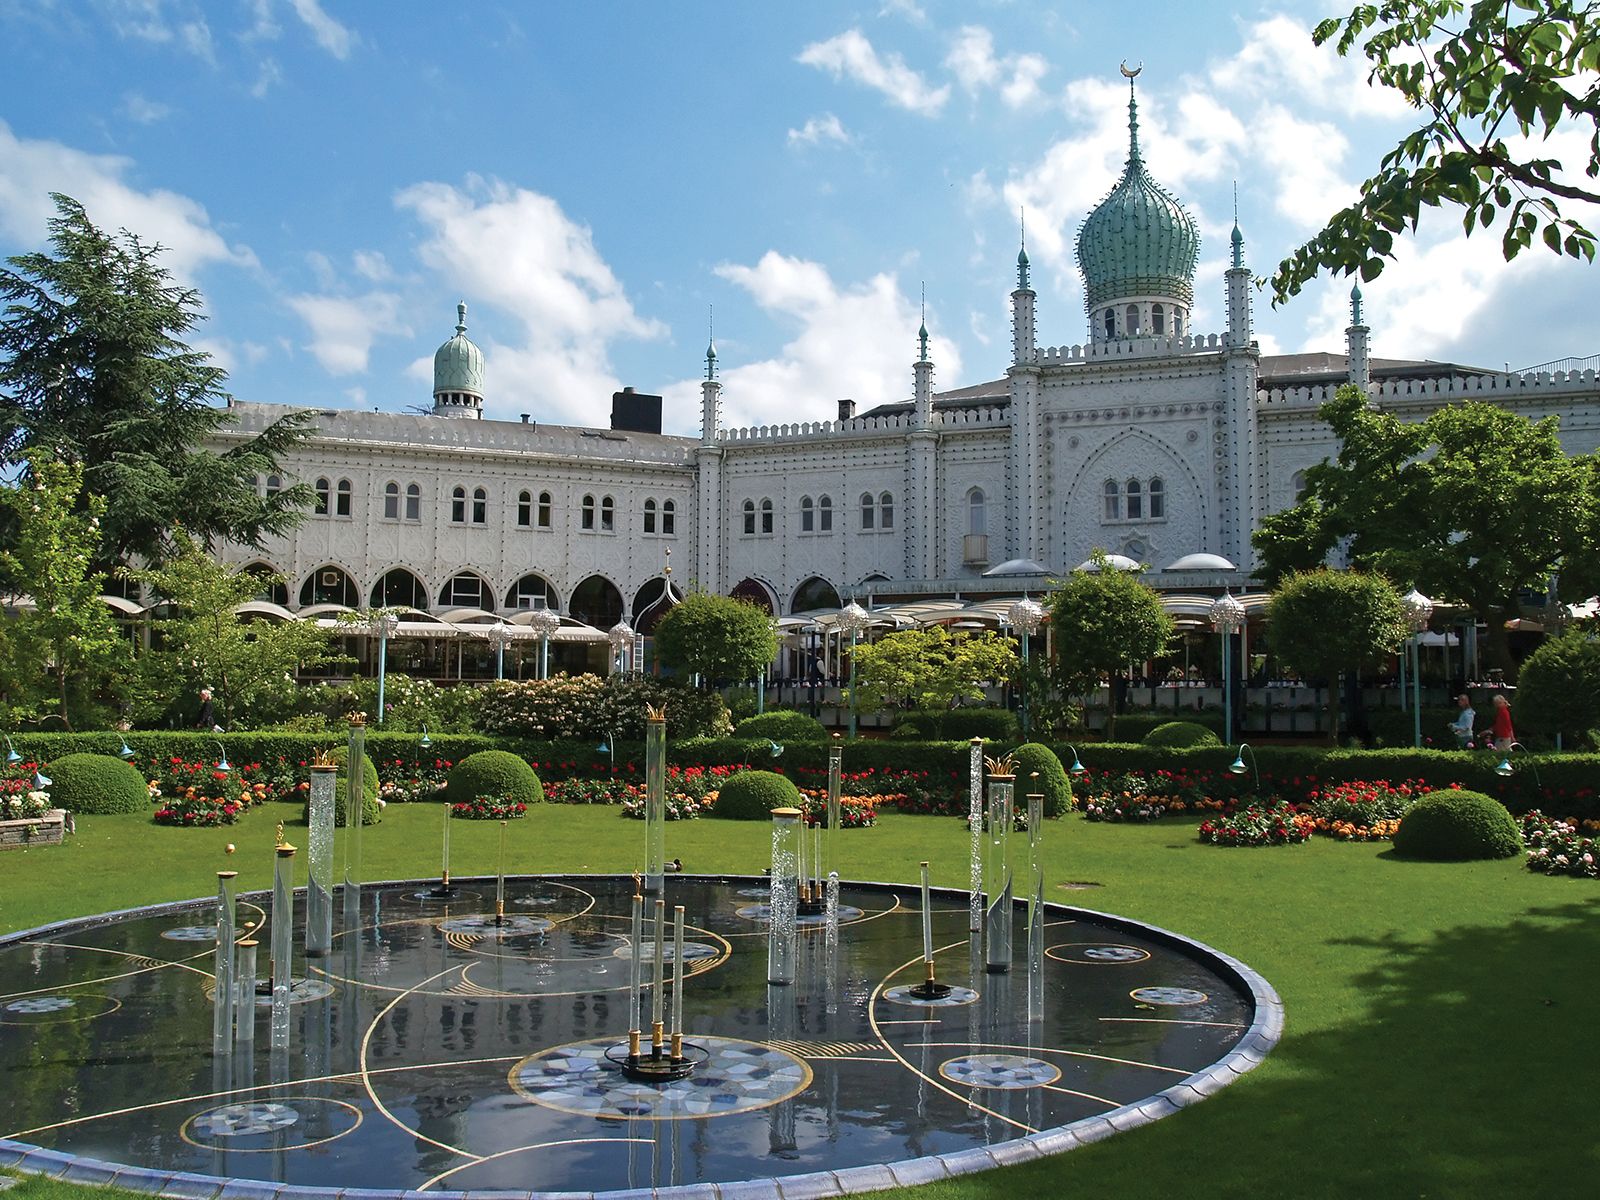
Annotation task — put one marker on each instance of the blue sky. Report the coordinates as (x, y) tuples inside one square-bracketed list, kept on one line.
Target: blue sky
[(592, 179)]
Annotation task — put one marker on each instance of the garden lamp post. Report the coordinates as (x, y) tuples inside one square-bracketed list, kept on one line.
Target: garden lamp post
[(1237, 765), (620, 636), (1227, 618), (852, 620), (12, 757), (1077, 767), (499, 635), (544, 622), (383, 626), (1505, 768), (1419, 610), (1025, 616)]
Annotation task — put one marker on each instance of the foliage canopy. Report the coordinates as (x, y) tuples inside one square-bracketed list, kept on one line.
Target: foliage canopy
[(719, 638), (931, 668)]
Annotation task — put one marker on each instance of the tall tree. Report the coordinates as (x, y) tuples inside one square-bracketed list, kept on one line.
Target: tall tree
[(67, 637), (1324, 623), (931, 668), (93, 367), (1473, 505), (721, 639), (1101, 621), (1491, 81)]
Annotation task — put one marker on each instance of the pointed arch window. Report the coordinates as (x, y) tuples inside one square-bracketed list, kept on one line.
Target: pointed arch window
[(586, 520), (1130, 319), (808, 515), (1297, 485), (1158, 318), (977, 513), (458, 505), (669, 518), (391, 501), (1158, 498), (413, 502), (766, 516), (1110, 323), (1113, 494), (342, 495), (868, 515), (480, 506), (649, 516), (324, 496), (749, 518), (886, 511), (608, 514), (825, 514), (274, 485), (545, 506), (524, 509), (1135, 498)]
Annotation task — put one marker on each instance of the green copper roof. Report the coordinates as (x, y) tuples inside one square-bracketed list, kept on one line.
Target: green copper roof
[(458, 364), (1139, 240)]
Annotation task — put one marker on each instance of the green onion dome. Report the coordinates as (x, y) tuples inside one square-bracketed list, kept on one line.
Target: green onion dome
[(458, 364)]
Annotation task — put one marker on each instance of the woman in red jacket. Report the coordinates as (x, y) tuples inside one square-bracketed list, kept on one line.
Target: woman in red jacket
[(1504, 735)]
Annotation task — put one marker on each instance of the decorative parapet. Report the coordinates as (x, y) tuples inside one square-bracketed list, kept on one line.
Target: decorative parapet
[(1126, 348), (1443, 390), (987, 416)]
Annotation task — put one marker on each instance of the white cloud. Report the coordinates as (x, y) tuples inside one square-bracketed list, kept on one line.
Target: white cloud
[(855, 341), (816, 130), (143, 109), (370, 264), (977, 68), (343, 328), (850, 55), (909, 9), (229, 354), (30, 170), (336, 39), (1279, 60), (178, 23), (268, 76), (556, 305)]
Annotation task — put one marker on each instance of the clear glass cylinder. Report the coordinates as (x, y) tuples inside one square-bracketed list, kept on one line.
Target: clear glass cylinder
[(500, 876), (975, 824), (444, 854), (319, 852), (998, 877), (835, 790), (222, 1007), (354, 782), (633, 965), (244, 993), (282, 943), (1035, 905), (658, 966), (782, 934), (927, 924), (677, 978), (655, 802), (830, 912)]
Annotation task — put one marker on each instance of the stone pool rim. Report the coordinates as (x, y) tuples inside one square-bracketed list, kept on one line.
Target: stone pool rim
[(1265, 1030)]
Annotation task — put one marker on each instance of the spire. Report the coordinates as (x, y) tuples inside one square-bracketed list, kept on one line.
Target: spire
[(922, 331), (1022, 255), (1238, 238), (1133, 114), (461, 317), (711, 344), (1355, 304)]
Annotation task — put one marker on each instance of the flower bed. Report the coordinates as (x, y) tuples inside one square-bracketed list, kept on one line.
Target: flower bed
[(1264, 823), (855, 812), (677, 806), (43, 829), (1558, 848), (489, 808), (1363, 810), (19, 799), (198, 794), (411, 780)]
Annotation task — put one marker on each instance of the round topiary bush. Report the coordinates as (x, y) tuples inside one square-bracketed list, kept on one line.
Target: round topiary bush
[(1455, 826), (782, 725), (497, 773), (96, 783), (752, 795), (1181, 735), (1053, 782), (371, 810)]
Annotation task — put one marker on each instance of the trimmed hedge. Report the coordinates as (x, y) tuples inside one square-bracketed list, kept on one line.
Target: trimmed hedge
[(1457, 826), (96, 783), (782, 724), (957, 724), (752, 795), (1053, 782), (1133, 726), (1181, 735), (497, 773)]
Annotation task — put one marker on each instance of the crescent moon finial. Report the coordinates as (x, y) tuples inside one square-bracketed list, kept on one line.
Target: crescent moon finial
[(1127, 74)]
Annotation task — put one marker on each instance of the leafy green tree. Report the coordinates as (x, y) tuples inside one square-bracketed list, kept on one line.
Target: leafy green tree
[(68, 636), (931, 668), (719, 638), (1558, 688), (1473, 504), (1324, 623), (1491, 81), (93, 367), (250, 665), (1101, 621)]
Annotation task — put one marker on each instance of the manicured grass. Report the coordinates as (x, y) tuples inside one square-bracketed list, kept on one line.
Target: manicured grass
[(1439, 1015)]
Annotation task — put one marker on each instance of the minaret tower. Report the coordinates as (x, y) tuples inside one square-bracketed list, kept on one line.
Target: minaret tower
[(922, 509), (1240, 486), (1238, 276), (708, 477), (1359, 365), (1024, 512)]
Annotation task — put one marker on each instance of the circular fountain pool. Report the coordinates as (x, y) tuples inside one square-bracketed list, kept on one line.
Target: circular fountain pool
[(435, 1050)]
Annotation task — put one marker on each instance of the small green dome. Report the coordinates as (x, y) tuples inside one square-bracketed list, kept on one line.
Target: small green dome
[(1139, 240), (458, 364)]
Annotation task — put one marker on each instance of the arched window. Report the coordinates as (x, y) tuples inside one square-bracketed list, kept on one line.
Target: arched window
[(825, 514), (399, 588), (1177, 323), (324, 496), (341, 506), (545, 505), (1113, 501), (1111, 324), (608, 514), (766, 516), (1135, 495), (749, 517), (467, 590), (458, 505), (1297, 483), (531, 591), (274, 485), (867, 514), (669, 518), (808, 516), (1130, 318), (977, 514), (413, 502), (1158, 499), (1158, 318), (524, 509), (886, 511), (587, 519), (649, 516), (480, 506), (391, 501)]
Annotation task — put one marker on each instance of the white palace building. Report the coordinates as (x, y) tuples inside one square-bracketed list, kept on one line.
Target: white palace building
[(1143, 437)]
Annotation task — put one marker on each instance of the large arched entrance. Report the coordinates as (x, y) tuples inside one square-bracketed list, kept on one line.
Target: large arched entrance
[(815, 593), (400, 588), (756, 593), (597, 602)]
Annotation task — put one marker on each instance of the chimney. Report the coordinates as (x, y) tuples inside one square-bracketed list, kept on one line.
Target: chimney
[(847, 409), (635, 412), (525, 417)]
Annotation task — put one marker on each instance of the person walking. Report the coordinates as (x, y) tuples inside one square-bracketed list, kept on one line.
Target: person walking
[(1465, 719), (1503, 733), (207, 719)]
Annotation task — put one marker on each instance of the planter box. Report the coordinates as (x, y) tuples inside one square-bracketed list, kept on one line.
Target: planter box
[(34, 831)]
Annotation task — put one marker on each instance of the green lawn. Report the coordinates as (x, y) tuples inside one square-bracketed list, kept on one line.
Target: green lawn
[(1439, 1016)]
